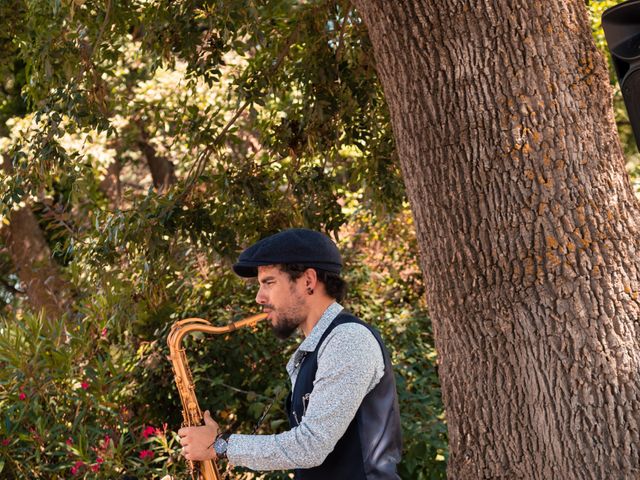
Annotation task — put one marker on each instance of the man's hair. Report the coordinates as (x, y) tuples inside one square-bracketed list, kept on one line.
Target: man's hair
[(334, 285)]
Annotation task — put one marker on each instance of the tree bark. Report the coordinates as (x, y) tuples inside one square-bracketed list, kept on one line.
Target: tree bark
[(528, 228), (31, 256), (39, 275), (162, 169), (111, 185)]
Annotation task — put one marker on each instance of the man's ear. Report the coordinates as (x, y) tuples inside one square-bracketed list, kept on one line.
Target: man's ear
[(310, 278)]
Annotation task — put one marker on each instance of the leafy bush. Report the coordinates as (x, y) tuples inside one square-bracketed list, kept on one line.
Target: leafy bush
[(65, 402), (94, 396)]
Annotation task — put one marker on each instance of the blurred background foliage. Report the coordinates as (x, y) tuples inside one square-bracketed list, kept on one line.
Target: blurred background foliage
[(144, 144)]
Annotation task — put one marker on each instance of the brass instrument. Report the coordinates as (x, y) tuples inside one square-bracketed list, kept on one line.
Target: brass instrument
[(191, 413)]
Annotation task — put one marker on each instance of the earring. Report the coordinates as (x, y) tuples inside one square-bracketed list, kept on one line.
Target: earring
[(309, 291)]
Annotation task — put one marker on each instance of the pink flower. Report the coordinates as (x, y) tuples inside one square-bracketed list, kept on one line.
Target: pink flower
[(146, 454), (104, 332), (99, 460), (95, 468), (84, 384), (149, 431), (5, 442), (77, 466), (22, 396), (69, 441)]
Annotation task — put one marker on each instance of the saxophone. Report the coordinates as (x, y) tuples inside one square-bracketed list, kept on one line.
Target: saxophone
[(191, 413)]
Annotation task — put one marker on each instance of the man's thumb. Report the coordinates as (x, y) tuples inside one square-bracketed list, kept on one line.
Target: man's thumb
[(207, 418)]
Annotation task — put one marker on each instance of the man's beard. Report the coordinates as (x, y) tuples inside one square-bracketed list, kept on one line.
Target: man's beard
[(289, 319), (285, 327)]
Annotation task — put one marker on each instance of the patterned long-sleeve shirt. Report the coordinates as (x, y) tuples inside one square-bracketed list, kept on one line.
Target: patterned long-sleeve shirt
[(350, 365)]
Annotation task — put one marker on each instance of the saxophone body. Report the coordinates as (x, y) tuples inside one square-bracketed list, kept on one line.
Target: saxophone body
[(191, 412)]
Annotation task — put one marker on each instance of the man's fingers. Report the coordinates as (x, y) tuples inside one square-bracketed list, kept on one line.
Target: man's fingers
[(207, 419), (196, 440)]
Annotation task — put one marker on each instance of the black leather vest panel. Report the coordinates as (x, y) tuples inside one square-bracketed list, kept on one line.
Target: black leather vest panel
[(371, 447)]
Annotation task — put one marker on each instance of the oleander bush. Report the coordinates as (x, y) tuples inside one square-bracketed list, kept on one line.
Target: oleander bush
[(67, 404)]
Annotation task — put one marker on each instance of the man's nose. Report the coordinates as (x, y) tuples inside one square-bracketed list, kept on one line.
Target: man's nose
[(260, 297)]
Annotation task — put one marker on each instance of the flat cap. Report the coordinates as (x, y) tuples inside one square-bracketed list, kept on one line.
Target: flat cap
[(295, 245)]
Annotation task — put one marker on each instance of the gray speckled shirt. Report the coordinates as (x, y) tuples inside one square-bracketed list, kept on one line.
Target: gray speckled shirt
[(350, 365)]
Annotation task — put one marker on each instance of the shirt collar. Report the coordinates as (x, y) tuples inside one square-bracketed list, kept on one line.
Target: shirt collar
[(311, 342)]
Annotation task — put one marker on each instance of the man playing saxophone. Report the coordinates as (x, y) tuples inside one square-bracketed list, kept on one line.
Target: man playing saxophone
[(343, 407)]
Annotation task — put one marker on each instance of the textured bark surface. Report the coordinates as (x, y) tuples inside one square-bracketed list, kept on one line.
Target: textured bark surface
[(529, 232), (111, 185), (162, 170), (30, 254)]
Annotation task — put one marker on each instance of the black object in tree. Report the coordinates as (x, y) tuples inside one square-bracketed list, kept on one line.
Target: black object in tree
[(621, 24)]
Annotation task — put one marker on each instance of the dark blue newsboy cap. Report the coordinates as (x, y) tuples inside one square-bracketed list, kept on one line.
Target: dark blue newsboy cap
[(295, 245)]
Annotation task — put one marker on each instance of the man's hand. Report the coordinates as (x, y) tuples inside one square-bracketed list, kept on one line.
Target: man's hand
[(196, 441)]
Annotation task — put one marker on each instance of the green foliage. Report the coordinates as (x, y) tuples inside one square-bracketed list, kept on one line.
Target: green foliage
[(65, 401), (118, 349), (271, 115)]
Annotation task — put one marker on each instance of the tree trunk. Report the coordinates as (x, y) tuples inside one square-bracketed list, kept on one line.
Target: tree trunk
[(528, 228), (30, 254), (162, 169), (111, 185)]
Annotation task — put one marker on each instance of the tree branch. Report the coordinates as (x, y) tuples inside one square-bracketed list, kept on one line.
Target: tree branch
[(101, 32), (341, 36), (200, 164)]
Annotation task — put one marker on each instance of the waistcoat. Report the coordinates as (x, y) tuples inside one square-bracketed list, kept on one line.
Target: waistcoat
[(372, 444)]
